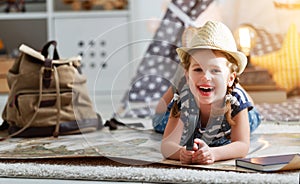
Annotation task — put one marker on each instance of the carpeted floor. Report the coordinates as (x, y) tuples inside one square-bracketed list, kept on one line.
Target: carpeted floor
[(137, 158), (141, 174)]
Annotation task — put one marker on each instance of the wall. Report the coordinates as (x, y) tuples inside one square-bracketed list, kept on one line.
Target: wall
[(232, 12), (259, 13), (144, 13)]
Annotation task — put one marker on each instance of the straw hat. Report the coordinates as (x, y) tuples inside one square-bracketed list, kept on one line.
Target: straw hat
[(217, 36)]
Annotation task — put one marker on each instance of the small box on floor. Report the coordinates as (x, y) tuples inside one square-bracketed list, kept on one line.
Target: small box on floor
[(268, 96), (5, 64)]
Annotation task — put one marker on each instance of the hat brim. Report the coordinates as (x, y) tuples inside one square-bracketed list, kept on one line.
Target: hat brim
[(238, 56)]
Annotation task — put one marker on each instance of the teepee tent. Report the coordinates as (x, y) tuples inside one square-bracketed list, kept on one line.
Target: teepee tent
[(157, 68)]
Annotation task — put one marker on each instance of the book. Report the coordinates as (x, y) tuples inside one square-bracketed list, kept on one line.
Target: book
[(270, 163)]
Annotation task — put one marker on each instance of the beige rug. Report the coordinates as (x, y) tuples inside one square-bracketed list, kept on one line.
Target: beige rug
[(134, 155), (142, 174)]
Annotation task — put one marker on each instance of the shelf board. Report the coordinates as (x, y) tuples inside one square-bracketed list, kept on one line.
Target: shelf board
[(64, 14), (23, 16), (89, 14)]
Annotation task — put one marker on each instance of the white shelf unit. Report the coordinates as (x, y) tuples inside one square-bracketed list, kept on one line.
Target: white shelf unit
[(100, 36)]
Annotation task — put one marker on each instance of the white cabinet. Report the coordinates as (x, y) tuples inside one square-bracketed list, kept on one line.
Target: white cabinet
[(101, 37), (102, 41)]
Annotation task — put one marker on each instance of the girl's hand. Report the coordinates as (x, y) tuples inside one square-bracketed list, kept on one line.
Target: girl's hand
[(204, 154), (186, 155)]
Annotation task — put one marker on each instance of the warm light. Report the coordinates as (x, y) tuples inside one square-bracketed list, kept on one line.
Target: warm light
[(245, 37), (287, 4)]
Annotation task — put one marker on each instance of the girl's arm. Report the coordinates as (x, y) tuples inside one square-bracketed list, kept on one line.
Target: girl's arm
[(239, 146), (240, 139), (170, 147), (164, 101)]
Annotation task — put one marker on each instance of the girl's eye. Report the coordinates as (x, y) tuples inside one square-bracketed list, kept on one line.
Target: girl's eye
[(216, 70), (197, 69)]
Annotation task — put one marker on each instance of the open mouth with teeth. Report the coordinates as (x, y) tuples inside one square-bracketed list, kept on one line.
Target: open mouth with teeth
[(205, 90)]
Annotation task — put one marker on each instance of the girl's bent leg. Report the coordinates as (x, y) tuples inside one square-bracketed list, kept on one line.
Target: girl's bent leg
[(254, 119), (159, 121)]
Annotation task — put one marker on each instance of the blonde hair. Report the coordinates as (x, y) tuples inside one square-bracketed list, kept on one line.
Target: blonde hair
[(232, 64)]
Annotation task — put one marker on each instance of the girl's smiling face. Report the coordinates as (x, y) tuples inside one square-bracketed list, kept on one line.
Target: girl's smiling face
[(209, 76)]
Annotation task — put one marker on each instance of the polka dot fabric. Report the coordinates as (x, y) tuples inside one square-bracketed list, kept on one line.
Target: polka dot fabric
[(266, 42), (160, 61), (288, 111)]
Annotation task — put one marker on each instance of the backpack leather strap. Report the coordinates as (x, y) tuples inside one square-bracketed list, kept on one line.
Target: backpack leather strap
[(45, 48), (47, 73)]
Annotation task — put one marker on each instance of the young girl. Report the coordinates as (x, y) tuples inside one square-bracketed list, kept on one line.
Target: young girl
[(212, 123)]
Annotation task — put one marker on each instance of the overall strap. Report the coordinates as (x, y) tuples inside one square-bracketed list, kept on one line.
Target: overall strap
[(189, 116), (193, 120)]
